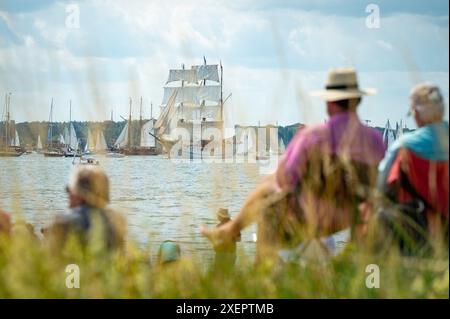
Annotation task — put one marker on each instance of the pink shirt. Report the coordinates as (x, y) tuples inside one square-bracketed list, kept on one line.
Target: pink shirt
[(343, 135)]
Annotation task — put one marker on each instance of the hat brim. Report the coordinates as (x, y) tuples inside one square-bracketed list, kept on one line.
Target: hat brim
[(337, 95)]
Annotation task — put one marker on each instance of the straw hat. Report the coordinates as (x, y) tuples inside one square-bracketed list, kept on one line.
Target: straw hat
[(342, 84), (223, 214)]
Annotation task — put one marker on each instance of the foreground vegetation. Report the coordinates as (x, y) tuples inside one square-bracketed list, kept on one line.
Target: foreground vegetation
[(31, 269)]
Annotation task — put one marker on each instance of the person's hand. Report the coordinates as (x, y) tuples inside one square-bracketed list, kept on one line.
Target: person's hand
[(221, 235)]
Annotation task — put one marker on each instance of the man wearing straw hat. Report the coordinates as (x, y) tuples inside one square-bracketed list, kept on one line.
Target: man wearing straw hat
[(326, 173), (88, 192)]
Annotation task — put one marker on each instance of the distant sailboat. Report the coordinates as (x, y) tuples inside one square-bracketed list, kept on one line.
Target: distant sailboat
[(388, 135), (100, 145), (39, 145), (9, 146), (245, 145), (16, 140), (399, 132), (70, 137), (51, 150), (147, 143), (89, 147)]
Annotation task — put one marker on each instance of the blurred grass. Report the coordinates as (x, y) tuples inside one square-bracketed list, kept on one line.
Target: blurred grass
[(30, 269)]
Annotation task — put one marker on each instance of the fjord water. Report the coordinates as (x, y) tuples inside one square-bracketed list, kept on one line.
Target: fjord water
[(161, 199)]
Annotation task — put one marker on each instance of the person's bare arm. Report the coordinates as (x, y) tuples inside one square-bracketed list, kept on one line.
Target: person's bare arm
[(260, 198)]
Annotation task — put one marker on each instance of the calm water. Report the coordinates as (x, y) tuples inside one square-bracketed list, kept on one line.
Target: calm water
[(160, 198)]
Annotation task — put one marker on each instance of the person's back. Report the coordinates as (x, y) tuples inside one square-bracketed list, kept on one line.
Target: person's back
[(328, 170), (89, 219), (415, 169), (87, 223)]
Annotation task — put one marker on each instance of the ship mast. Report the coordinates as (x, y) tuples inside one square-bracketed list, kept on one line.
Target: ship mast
[(129, 127), (151, 110), (140, 112), (50, 129), (7, 118), (70, 123), (221, 98)]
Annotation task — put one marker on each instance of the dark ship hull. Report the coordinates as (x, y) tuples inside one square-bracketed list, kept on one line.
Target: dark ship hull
[(143, 151)]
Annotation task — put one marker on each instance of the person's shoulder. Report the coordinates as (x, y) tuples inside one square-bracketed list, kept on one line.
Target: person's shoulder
[(117, 219), (70, 216), (372, 133), (314, 133)]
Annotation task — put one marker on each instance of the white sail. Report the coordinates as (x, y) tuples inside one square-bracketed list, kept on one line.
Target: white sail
[(61, 139), (245, 138), (195, 74), (399, 132), (388, 135), (147, 140), (193, 94), (16, 140), (282, 146), (122, 140), (89, 143), (66, 135), (100, 144), (167, 119), (207, 72), (72, 139), (211, 112), (189, 76), (39, 143)]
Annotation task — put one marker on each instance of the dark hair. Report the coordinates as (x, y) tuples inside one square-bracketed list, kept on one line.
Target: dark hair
[(345, 104)]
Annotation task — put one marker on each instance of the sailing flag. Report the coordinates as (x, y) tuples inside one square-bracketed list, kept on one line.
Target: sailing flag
[(204, 60)]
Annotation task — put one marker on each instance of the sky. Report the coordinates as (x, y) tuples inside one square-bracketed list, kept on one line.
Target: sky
[(98, 53)]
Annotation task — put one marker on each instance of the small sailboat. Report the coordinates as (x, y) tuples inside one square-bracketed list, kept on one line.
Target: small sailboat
[(52, 150), (89, 147), (100, 145), (388, 135), (86, 161), (71, 137), (39, 145)]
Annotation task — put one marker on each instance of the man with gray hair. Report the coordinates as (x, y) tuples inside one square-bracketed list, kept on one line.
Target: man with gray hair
[(88, 192), (415, 169)]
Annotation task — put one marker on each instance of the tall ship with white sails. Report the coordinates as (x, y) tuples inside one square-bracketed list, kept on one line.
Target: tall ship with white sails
[(191, 123)]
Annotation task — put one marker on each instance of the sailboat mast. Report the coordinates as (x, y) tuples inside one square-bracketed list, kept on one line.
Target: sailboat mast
[(221, 96), (151, 110), (70, 122), (129, 126), (7, 102), (140, 111), (51, 125)]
